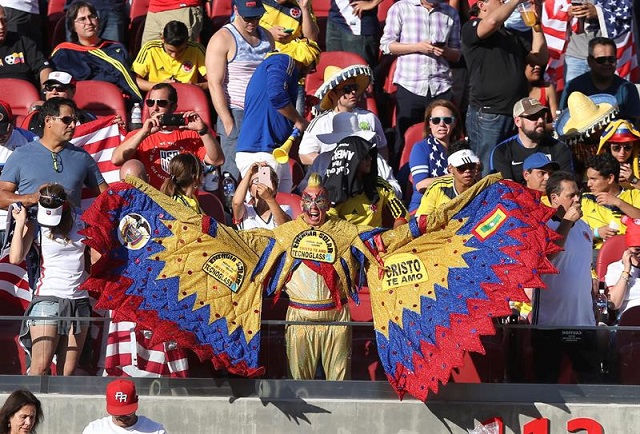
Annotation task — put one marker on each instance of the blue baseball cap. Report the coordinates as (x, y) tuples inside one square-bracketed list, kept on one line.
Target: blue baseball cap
[(538, 161), (249, 8)]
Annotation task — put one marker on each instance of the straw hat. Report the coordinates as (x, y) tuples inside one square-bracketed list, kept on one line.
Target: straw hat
[(333, 76), (585, 115)]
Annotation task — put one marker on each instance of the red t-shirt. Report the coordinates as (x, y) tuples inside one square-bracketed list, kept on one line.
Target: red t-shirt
[(167, 5), (157, 150)]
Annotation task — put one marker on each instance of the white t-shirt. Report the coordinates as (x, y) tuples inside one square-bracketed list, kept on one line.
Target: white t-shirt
[(142, 426), (632, 296), (252, 220), (567, 300), (62, 268)]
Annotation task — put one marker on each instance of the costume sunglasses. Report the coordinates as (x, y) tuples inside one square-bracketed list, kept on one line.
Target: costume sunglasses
[(618, 148), (448, 120), (161, 102), (605, 59)]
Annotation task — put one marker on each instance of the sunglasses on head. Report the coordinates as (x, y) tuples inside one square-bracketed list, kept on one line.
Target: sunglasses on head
[(56, 87), (349, 88), (448, 120), (467, 167), (66, 119), (605, 59), (161, 102), (617, 148)]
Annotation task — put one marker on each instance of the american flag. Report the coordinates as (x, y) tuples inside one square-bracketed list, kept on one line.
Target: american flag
[(129, 353), (615, 18)]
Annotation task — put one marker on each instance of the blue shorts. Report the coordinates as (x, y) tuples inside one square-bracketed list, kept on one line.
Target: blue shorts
[(44, 308)]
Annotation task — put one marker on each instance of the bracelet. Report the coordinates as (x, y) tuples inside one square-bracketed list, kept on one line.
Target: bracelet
[(203, 131), (595, 233)]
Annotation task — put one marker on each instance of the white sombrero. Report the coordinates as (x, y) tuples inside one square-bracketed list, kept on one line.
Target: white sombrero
[(585, 116), (334, 75)]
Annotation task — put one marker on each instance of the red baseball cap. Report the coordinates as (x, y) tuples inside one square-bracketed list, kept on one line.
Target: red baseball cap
[(122, 398)]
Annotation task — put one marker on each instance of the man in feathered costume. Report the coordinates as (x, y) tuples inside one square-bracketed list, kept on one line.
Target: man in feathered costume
[(201, 283)]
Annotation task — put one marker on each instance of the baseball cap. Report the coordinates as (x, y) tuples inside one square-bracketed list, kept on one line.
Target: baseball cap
[(462, 157), (249, 8), (122, 398), (60, 77), (6, 117), (527, 106), (539, 160)]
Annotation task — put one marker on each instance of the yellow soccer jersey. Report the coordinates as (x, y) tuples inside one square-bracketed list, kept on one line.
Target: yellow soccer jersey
[(439, 191), (596, 215), (359, 211), (155, 65), (287, 15)]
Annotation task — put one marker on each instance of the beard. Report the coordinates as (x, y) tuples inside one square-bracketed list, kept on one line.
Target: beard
[(533, 134)]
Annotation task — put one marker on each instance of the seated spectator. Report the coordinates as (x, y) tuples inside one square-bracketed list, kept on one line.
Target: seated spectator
[(185, 171), (343, 125), (58, 85), (174, 58), (530, 118), (340, 92), (133, 168), (88, 57), (536, 170), (622, 140), (355, 190), (623, 276), (20, 58), (20, 413), (428, 158), (156, 143), (607, 201), (463, 166), (602, 78), (12, 137), (262, 210)]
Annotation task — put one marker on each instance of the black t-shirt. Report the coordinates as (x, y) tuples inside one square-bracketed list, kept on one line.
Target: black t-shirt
[(507, 157), (496, 68), (19, 58)]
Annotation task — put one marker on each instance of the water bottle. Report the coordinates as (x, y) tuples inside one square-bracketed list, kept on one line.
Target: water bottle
[(602, 309), (136, 117), (229, 189)]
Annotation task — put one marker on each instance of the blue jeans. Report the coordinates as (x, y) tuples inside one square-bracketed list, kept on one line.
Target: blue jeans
[(228, 143), (112, 24), (485, 131), (574, 67)]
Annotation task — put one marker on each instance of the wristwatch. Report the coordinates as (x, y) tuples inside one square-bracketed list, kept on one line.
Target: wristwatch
[(204, 131), (634, 180)]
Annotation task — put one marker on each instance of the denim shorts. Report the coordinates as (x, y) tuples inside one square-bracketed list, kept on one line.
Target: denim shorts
[(44, 308)]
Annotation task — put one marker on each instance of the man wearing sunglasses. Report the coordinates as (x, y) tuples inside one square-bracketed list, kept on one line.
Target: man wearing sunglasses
[(233, 54), (530, 118), (156, 143), (602, 78), (50, 159)]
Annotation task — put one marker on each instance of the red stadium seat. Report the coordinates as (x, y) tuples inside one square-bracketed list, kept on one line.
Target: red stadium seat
[(411, 137), (383, 8), (365, 364), (390, 88), (321, 12), (611, 251), (291, 199), (190, 98), (211, 205), (273, 355), (330, 58), (20, 94), (220, 13), (137, 19), (100, 98)]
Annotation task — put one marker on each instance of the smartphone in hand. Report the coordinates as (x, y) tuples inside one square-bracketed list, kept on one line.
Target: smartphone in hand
[(264, 176)]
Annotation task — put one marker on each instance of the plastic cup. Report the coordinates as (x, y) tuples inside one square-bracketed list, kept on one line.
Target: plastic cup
[(528, 14)]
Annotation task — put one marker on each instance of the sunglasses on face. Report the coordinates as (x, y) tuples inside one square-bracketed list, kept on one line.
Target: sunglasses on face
[(161, 102), (66, 119), (618, 148), (535, 116), (349, 88), (56, 87), (448, 120), (467, 167), (251, 19), (605, 59)]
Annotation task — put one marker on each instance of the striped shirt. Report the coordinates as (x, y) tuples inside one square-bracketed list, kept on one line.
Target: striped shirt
[(243, 64), (409, 22)]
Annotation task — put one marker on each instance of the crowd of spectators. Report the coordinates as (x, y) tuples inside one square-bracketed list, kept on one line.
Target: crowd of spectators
[(511, 123)]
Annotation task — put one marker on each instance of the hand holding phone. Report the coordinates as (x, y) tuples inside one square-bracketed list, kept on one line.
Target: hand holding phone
[(173, 120), (289, 31), (264, 176)]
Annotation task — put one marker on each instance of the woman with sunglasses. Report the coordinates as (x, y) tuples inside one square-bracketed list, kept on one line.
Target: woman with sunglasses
[(262, 210), (622, 140), (64, 261), (428, 159)]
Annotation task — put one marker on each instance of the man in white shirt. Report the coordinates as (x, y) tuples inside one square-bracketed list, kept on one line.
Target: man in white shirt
[(122, 404)]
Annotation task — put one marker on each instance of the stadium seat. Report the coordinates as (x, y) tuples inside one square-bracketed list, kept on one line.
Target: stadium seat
[(273, 353), (100, 98), (383, 8), (334, 58), (190, 97), (20, 94), (220, 13), (414, 134), (628, 347), (321, 12), (365, 363), (211, 205), (390, 88), (137, 19), (611, 251), (291, 199)]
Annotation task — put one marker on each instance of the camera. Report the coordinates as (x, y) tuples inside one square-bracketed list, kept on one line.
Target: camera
[(173, 120)]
